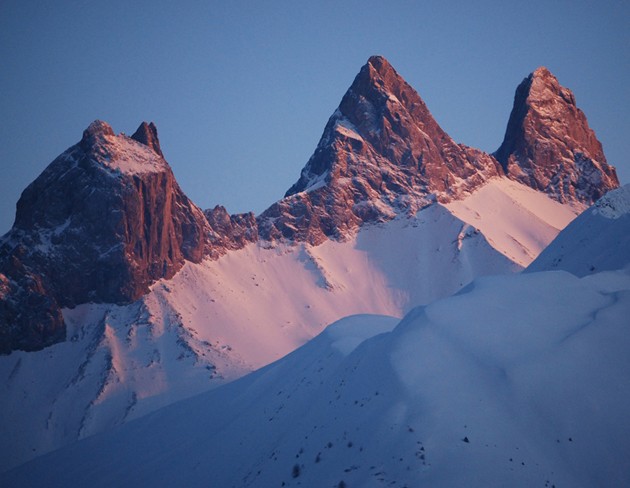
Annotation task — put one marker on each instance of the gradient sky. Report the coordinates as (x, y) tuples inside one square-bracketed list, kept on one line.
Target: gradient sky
[(241, 91)]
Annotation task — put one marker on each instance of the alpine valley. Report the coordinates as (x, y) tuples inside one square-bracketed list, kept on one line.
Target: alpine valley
[(122, 304)]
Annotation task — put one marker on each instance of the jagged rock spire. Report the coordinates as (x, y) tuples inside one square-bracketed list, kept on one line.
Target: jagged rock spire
[(382, 153), (147, 135), (382, 112), (549, 145)]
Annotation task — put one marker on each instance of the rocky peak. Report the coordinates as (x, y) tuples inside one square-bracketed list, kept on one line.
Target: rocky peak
[(96, 134), (147, 135), (549, 145), (98, 128), (102, 222), (389, 102), (544, 88), (381, 154)]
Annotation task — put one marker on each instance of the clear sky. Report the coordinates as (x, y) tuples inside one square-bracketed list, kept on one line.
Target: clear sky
[(241, 90)]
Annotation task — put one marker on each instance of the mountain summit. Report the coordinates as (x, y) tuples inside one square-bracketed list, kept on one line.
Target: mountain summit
[(100, 224), (382, 112), (381, 154), (549, 145)]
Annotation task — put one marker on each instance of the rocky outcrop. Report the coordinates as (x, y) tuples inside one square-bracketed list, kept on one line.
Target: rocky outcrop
[(147, 135), (103, 221), (230, 232), (382, 153), (549, 145)]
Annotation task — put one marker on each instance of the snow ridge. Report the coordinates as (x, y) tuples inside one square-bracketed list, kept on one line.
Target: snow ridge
[(615, 204)]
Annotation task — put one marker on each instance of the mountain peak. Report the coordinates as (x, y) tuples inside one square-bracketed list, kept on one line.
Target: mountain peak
[(378, 60), (542, 72), (119, 154), (98, 127), (381, 154), (543, 87), (378, 77), (95, 131), (147, 134), (549, 145), (380, 65), (103, 221)]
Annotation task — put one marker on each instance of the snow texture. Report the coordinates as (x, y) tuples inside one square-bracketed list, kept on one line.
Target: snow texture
[(598, 240), (615, 204), (128, 156), (521, 381)]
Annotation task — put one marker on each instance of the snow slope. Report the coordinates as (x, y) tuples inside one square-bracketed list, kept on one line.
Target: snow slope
[(599, 239), (519, 381), (217, 320), (515, 219)]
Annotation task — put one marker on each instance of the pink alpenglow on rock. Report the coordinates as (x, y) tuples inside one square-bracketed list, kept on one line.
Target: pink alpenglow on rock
[(549, 145)]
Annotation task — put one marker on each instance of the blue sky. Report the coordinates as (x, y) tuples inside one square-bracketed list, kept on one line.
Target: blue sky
[(241, 91)]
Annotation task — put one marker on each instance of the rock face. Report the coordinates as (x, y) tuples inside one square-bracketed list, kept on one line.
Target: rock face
[(381, 154), (101, 223), (549, 146)]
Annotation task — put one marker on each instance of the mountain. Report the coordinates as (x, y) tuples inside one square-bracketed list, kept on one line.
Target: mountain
[(382, 154), (519, 380), (100, 224), (159, 301), (217, 320), (597, 240), (549, 146), (107, 219)]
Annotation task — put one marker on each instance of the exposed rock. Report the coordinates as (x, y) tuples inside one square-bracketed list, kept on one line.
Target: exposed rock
[(382, 153), (147, 135), (30, 318), (103, 221), (549, 145), (230, 232)]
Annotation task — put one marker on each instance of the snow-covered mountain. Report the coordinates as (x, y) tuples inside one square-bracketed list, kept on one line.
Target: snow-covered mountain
[(219, 319), (139, 299), (107, 219), (519, 380)]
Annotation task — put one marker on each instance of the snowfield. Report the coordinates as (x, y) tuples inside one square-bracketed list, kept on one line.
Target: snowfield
[(520, 380), (598, 240)]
